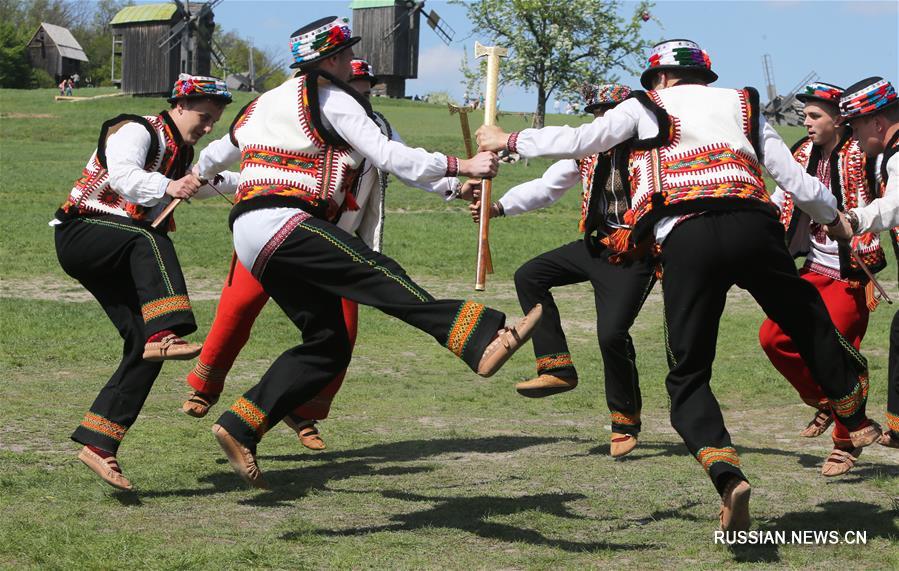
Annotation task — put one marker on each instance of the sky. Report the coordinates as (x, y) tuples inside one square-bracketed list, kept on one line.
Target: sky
[(842, 41)]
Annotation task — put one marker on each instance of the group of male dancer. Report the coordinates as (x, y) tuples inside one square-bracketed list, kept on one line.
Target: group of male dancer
[(672, 187)]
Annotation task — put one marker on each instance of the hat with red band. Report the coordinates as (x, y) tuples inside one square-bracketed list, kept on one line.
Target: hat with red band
[(362, 70), (195, 86), (866, 97), (819, 91), (608, 95), (677, 55), (320, 39)]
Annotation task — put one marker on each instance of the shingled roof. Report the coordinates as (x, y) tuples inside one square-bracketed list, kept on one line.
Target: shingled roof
[(66, 43)]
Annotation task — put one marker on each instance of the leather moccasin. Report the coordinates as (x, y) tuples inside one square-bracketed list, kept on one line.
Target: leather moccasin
[(865, 436), (171, 347), (545, 385), (622, 444), (840, 461), (307, 432), (106, 468), (198, 404), (734, 514), (240, 457), (818, 426), (507, 341)]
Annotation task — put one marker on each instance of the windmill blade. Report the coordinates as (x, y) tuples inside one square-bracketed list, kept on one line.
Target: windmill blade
[(443, 30), (410, 13), (206, 8), (181, 8), (176, 32)]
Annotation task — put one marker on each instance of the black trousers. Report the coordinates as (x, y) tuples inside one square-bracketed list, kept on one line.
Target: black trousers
[(306, 276), (619, 292), (893, 388), (135, 275), (702, 259)]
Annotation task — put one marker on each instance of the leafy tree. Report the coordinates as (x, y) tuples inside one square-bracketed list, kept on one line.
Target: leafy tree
[(235, 52), (14, 68), (560, 44)]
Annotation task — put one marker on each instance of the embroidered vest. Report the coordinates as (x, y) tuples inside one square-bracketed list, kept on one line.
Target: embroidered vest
[(93, 194), (892, 149), (852, 184), (288, 157), (604, 180), (704, 158)]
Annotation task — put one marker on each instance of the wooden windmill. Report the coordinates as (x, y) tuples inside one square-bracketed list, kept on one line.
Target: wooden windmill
[(783, 109), (390, 34), (153, 43)]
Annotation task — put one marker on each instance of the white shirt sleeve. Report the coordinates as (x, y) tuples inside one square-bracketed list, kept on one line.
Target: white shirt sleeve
[(217, 156), (126, 153), (601, 134), (447, 187), (543, 191), (349, 120), (883, 213), (809, 194)]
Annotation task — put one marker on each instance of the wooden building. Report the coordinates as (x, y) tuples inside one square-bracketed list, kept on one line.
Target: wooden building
[(143, 62), (392, 55), (55, 49)]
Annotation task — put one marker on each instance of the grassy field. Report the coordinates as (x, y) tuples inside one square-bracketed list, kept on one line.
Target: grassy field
[(428, 465)]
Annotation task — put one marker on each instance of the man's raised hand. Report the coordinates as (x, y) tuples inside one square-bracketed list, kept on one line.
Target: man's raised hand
[(491, 138), (184, 187)]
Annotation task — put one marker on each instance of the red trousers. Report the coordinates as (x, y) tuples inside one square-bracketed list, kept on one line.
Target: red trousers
[(241, 301), (849, 311)]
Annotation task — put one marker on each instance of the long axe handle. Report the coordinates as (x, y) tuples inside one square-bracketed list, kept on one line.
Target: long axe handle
[(170, 207)]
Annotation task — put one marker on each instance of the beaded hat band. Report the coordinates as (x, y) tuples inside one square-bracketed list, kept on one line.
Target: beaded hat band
[(818, 91), (320, 39), (866, 97), (607, 95), (677, 55), (193, 86), (362, 70)]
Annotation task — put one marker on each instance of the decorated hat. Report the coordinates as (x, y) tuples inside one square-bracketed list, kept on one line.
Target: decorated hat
[(608, 95), (677, 54), (866, 97), (196, 86), (362, 70), (818, 91), (320, 39)]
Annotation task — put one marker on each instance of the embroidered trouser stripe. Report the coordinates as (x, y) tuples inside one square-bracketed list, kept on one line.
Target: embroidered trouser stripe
[(553, 362)]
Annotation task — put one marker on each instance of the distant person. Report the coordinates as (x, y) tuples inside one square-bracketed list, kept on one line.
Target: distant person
[(698, 192), (69, 85), (105, 241), (62, 87), (75, 79)]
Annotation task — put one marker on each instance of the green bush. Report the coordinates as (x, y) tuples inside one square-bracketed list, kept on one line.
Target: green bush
[(41, 79)]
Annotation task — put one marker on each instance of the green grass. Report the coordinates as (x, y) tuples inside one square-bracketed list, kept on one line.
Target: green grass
[(428, 466)]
